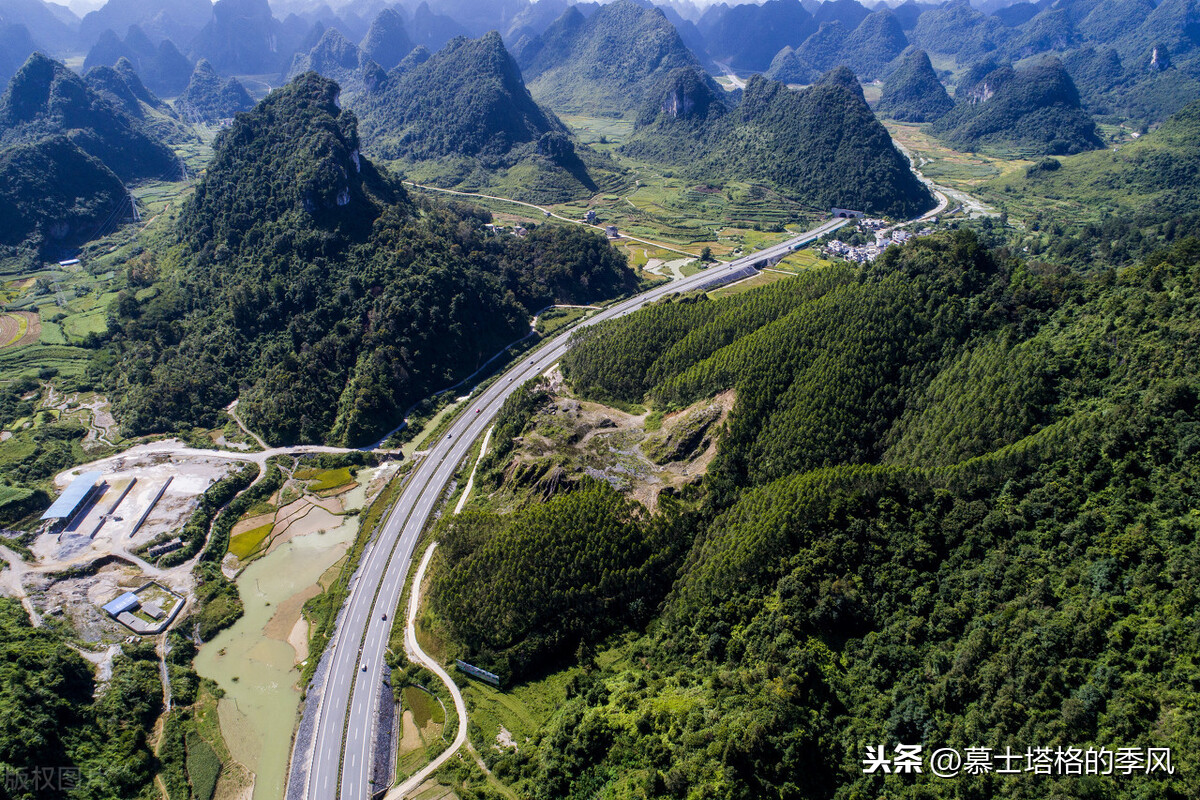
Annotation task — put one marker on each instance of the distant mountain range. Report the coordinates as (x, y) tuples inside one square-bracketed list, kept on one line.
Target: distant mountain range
[(464, 112), (1157, 45), (462, 116), (162, 67), (606, 63), (868, 49)]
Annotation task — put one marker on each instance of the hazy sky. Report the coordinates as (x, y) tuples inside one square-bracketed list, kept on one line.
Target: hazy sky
[(81, 7)]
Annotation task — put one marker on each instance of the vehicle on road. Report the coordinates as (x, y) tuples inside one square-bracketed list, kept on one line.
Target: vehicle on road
[(364, 666), (384, 616), (478, 410)]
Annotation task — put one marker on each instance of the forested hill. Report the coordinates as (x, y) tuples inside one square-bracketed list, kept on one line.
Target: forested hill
[(467, 99), (913, 92), (609, 63), (54, 723), (209, 98), (468, 109), (953, 507), (45, 98), (821, 146), (1035, 109), (306, 281), (1147, 192), (1158, 174), (53, 195)]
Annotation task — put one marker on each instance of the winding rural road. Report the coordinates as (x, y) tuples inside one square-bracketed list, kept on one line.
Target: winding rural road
[(548, 213), (337, 762)]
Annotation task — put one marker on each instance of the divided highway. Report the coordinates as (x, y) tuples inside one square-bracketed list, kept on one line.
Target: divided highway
[(341, 753)]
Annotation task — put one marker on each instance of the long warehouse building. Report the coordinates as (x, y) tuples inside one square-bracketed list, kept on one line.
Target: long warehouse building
[(82, 492)]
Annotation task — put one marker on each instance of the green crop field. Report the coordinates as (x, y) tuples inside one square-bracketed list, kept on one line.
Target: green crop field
[(953, 168), (601, 133), (33, 359), (246, 544), (424, 706), (324, 480)]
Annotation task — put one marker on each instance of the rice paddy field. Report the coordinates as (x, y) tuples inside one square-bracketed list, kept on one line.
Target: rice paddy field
[(49, 310), (958, 170)]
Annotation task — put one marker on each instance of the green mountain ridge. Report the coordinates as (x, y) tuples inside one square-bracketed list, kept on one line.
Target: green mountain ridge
[(1108, 20), (951, 506), (913, 93), (309, 284), (608, 63), (1050, 31), (874, 45), (1035, 108), (465, 114), (821, 146), (45, 99), (122, 87), (823, 50)]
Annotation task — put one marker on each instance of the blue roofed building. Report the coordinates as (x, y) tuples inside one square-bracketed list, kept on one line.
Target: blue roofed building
[(79, 495), (126, 602)]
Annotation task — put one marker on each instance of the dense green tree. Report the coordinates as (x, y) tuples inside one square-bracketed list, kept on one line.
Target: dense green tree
[(308, 282), (821, 146), (1036, 109), (92, 747), (1012, 564), (45, 99), (522, 592)]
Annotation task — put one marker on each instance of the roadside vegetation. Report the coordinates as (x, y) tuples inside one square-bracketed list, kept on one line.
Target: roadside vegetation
[(997, 424)]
